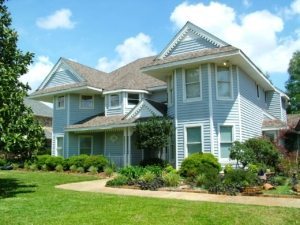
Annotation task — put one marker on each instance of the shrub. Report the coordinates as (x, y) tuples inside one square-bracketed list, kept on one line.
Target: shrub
[(41, 160), (277, 180), (117, 181), (59, 168), (44, 167), (200, 180), (152, 184), (171, 179), (132, 172), (199, 163), (53, 161), (153, 162), (33, 167), (73, 168), (154, 169), (77, 160), (240, 178), (93, 170), (108, 171), (170, 169), (148, 177), (228, 168), (98, 161), (80, 169), (2, 162), (26, 166), (15, 166), (253, 168)]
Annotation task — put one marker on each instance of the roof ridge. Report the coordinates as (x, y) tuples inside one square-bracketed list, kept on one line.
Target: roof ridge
[(80, 64)]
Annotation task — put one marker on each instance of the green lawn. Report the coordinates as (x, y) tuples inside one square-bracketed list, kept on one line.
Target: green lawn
[(30, 198)]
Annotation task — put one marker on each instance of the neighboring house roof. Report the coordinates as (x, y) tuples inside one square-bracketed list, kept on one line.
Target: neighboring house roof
[(48, 132), (38, 108), (293, 121), (273, 124)]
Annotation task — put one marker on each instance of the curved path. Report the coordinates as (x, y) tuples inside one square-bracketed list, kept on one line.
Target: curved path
[(99, 186)]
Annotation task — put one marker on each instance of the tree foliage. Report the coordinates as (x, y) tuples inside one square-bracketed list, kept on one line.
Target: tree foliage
[(20, 134), (293, 84), (255, 150), (153, 134)]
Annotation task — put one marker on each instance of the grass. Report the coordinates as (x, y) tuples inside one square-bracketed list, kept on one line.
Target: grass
[(30, 198), (280, 190)]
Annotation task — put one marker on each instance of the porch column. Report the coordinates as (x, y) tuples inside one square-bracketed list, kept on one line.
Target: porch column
[(125, 148), (129, 133)]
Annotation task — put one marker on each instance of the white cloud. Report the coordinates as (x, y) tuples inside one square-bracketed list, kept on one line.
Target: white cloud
[(247, 3), (295, 7), (59, 19), (37, 72), (256, 33), (132, 48)]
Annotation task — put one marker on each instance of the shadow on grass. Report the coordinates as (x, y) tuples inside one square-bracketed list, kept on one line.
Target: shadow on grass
[(10, 187)]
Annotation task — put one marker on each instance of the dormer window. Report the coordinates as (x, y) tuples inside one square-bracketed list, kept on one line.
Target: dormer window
[(86, 102), (133, 99), (114, 100), (60, 102)]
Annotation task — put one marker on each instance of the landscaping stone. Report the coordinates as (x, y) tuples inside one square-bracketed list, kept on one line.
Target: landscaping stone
[(296, 188), (268, 186)]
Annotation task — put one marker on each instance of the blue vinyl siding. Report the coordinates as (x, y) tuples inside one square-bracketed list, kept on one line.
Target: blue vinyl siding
[(224, 111), (191, 42), (158, 96), (192, 113), (251, 107), (60, 116), (136, 154), (273, 104), (77, 114), (61, 78), (114, 147), (98, 143)]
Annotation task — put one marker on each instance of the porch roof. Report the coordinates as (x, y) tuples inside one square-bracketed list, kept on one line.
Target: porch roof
[(273, 124)]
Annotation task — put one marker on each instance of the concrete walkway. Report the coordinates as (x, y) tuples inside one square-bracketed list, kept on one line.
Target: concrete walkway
[(99, 186)]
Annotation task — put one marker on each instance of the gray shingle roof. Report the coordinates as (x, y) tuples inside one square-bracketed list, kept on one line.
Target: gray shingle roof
[(191, 55), (38, 108), (273, 124)]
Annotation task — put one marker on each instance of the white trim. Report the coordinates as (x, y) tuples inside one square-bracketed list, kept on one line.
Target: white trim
[(185, 99), (175, 118), (139, 106), (126, 90), (211, 112), (92, 143), (58, 135), (125, 147), (273, 128), (104, 151), (93, 101), (230, 98), (126, 99), (170, 85), (100, 127), (68, 109), (129, 145), (190, 125), (225, 160), (157, 88), (69, 90), (239, 102), (269, 115), (56, 102), (109, 101)]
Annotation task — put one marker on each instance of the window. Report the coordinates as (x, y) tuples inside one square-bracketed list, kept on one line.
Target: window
[(60, 104), (170, 91), (86, 102), (265, 97), (192, 84), (114, 100), (59, 146), (271, 135), (193, 140), (226, 139), (85, 145), (133, 99), (224, 83), (257, 91)]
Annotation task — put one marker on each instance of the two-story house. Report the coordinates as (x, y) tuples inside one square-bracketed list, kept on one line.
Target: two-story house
[(212, 91)]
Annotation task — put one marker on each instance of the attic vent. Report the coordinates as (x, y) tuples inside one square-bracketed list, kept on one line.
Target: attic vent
[(60, 69)]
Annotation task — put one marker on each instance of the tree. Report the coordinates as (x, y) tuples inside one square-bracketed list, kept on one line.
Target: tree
[(241, 153), (293, 84), (154, 134), (20, 134)]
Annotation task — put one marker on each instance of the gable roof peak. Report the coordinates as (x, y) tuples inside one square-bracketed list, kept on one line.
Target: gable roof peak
[(189, 27)]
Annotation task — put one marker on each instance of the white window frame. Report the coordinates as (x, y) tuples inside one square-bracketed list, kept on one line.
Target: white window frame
[(219, 139), (127, 98), (92, 143), (230, 98), (186, 154), (56, 137), (185, 99), (80, 102), (171, 90), (109, 101), (57, 105)]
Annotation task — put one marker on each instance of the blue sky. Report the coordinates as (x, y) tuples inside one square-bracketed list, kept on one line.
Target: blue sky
[(109, 34)]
